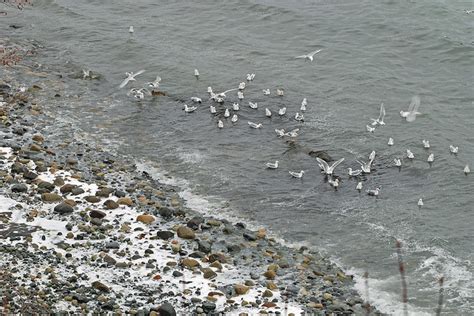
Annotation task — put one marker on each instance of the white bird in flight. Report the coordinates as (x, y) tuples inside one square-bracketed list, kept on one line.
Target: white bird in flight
[(295, 174), (397, 162), (412, 112), (325, 168), (130, 77), (390, 141), (280, 132), (255, 125), (293, 133), (309, 56), (366, 166), (242, 86), (379, 120), (271, 165), (282, 111), (250, 77), (253, 105), (280, 92), (155, 84)]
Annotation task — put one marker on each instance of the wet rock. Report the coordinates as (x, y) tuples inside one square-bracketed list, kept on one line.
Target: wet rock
[(186, 233), (165, 234), (267, 293), (208, 307), (112, 245), (189, 263), (217, 257), (77, 191), (111, 205), (166, 309), (146, 219), (125, 201), (38, 138), (108, 259), (96, 221), (166, 213), (63, 208), (204, 246), (194, 222), (270, 274), (208, 273), (46, 186), (104, 192), (177, 274), (92, 199), (20, 187), (119, 194), (100, 286), (241, 289), (51, 197), (250, 236), (18, 168), (97, 214), (35, 147), (30, 175), (67, 188)]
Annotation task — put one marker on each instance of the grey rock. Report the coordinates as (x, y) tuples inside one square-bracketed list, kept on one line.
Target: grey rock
[(166, 309), (19, 187), (204, 246), (63, 208), (165, 234)]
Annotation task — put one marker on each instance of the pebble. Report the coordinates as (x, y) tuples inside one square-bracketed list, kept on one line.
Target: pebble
[(146, 219), (111, 204), (63, 208), (186, 233), (19, 188)]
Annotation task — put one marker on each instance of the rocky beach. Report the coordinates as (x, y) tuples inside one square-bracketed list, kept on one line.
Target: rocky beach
[(84, 231)]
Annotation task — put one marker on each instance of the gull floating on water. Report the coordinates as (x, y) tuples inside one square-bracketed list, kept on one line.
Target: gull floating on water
[(412, 112), (268, 113), (299, 117), (359, 186), (431, 158), (304, 103), (223, 94), (366, 166), (420, 202), (280, 132), (309, 56), (410, 155), (196, 100), (209, 90), (379, 120), (250, 77), (293, 133), (467, 170), (240, 95), (130, 77), (253, 105), (271, 165), (212, 109), (426, 144), (325, 168), (196, 73), (298, 175), (220, 124), (282, 111), (354, 173), (280, 92), (242, 86), (235, 106), (334, 183), (255, 125), (189, 109), (390, 141), (266, 91), (453, 150), (373, 192), (370, 129), (234, 118), (226, 113), (86, 73), (130, 29), (138, 93), (397, 162)]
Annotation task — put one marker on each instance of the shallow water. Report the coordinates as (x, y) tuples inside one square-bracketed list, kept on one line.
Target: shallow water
[(372, 52)]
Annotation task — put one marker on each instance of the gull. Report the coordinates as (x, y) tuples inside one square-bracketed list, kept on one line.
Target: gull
[(86, 73), (155, 84), (189, 109), (255, 125), (280, 92), (280, 132), (373, 192), (325, 168), (426, 143), (293, 133), (431, 158), (196, 73), (138, 93), (250, 77), (271, 165), (379, 120), (453, 150), (268, 113), (219, 100), (242, 86), (467, 170), (212, 109), (420, 202), (359, 186), (234, 118), (220, 124), (334, 183), (412, 112), (196, 99), (253, 105), (266, 91), (223, 94), (240, 95), (410, 155), (366, 166), (299, 117), (295, 174), (398, 162), (354, 173), (226, 113), (130, 29), (130, 77), (282, 111), (370, 129), (309, 56), (304, 103), (390, 141), (235, 106), (209, 90)]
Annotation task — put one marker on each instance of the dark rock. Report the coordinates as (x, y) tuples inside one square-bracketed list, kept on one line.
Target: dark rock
[(63, 208), (240, 225), (119, 193), (320, 154), (166, 212), (250, 236), (77, 191), (97, 214), (92, 199), (18, 168), (108, 259), (112, 245), (177, 274), (110, 204), (197, 254), (19, 187), (204, 246), (165, 234), (46, 186), (100, 286), (67, 188), (96, 221), (194, 222), (104, 192), (30, 175), (166, 309), (233, 248), (217, 257), (208, 273), (208, 306)]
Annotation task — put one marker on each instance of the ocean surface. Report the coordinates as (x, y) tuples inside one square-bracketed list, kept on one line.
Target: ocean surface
[(371, 52)]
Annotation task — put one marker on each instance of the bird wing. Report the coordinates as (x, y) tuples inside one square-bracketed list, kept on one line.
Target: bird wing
[(124, 82), (323, 164), (158, 79), (228, 91), (415, 104), (334, 165), (302, 56), (138, 73), (382, 112), (313, 53), (372, 156)]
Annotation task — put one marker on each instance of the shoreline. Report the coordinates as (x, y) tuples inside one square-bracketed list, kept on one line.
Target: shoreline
[(97, 235)]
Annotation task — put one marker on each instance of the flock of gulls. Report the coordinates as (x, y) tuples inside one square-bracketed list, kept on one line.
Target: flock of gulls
[(219, 100)]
